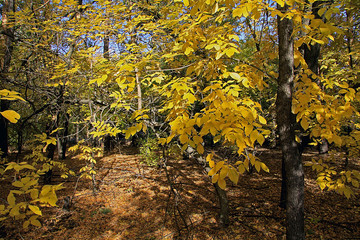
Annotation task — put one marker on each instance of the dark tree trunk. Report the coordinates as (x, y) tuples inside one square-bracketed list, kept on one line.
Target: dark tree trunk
[(106, 52), (6, 49), (311, 56), (3, 129), (50, 154), (283, 193), (286, 126), (64, 139), (50, 151), (224, 206)]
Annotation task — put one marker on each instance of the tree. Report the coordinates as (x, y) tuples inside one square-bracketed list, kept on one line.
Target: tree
[(7, 47), (294, 173)]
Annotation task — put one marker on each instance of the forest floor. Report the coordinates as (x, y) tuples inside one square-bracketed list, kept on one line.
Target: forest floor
[(135, 201)]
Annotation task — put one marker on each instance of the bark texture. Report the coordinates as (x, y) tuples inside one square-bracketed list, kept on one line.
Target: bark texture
[(294, 173)]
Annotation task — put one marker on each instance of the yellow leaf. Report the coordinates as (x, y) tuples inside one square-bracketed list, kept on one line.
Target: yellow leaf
[(348, 192), (11, 199), (262, 120), (245, 82), (235, 37), (186, 3), (230, 52), (321, 11), (188, 51), (26, 224), (34, 221), (11, 115), (219, 165), (212, 172), (224, 172), (260, 139), (190, 97), (184, 138), (162, 141), (233, 175), (280, 2), (15, 211), (209, 157), (355, 183), (257, 166), (304, 124), (248, 130), (239, 12), (235, 76), (222, 183), (200, 149), (241, 169), (35, 209), (18, 184), (215, 178), (197, 139), (211, 163), (253, 136), (264, 167)]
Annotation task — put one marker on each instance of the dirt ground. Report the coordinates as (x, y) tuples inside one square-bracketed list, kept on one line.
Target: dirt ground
[(136, 201)]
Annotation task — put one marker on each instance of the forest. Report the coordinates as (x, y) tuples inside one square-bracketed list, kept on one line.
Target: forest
[(179, 119)]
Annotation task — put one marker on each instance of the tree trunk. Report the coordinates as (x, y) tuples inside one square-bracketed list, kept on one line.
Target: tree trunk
[(138, 86), (4, 105), (294, 173), (311, 56), (224, 206), (283, 193), (221, 194), (65, 136), (6, 49)]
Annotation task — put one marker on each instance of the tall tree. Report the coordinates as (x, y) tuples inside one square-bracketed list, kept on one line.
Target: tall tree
[(7, 47), (294, 173)]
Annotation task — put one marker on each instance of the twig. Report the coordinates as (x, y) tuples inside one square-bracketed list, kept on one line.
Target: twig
[(41, 6)]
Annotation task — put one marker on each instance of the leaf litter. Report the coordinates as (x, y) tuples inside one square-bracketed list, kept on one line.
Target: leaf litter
[(135, 201)]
